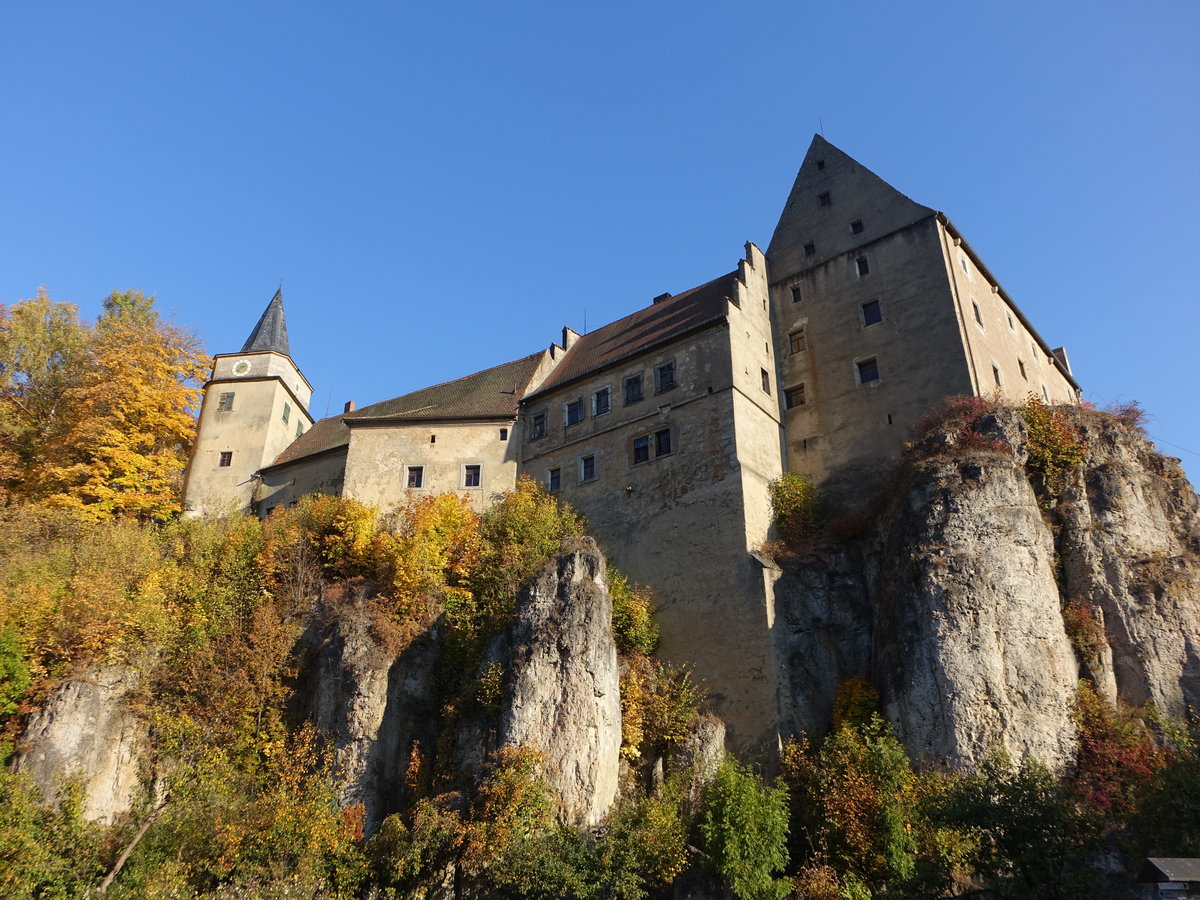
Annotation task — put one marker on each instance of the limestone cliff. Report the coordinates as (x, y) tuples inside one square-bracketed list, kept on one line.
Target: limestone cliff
[(950, 597)]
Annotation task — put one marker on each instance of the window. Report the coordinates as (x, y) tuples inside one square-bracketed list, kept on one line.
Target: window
[(641, 449), (1033, 347), (796, 396), (824, 198), (1021, 366), (299, 429), (796, 297), (798, 340), (433, 439), (766, 380), (587, 468), (868, 370), (225, 402), (537, 426), (287, 412), (962, 261), (1045, 394), (862, 265), (226, 458), (662, 442), (471, 476), (554, 480), (633, 389), (1010, 323), (416, 476), (573, 413), (810, 248), (601, 401), (996, 376), (504, 434), (664, 377), (978, 314), (820, 165), (856, 227), (871, 313)]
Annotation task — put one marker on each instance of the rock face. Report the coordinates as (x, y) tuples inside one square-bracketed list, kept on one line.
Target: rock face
[(374, 704), (87, 731), (950, 599), (561, 695)]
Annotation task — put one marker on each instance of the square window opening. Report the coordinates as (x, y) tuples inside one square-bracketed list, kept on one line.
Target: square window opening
[(664, 377), (868, 370), (824, 198), (798, 340), (225, 402), (797, 396), (416, 476), (226, 459), (856, 227), (872, 314), (472, 475), (820, 165), (810, 248)]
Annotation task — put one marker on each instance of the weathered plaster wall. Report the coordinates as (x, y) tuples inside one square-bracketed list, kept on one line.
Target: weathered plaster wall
[(320, 474), (381, 455)]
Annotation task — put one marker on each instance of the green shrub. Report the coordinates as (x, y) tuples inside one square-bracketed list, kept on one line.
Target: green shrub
[(14, 674), (1054, 444), (796, 506), (632, 615), (744, 826)]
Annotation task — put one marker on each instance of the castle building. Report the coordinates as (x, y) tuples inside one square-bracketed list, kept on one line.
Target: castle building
[(666, 426)]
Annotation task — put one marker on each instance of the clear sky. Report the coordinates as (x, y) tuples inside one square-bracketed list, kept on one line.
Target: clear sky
[(443, 186)]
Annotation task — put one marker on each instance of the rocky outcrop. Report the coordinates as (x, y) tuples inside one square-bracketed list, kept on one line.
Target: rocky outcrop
[(375, 703), (561, 694), (87, 732), (950, 598), (1130, 546)]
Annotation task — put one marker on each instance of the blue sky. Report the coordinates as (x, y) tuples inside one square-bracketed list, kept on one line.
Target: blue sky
[(443, 186)]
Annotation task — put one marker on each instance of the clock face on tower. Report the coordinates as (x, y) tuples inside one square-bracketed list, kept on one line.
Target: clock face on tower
[(241, 367)]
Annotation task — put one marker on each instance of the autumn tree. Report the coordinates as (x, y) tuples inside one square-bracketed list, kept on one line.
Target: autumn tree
[(98, 416)]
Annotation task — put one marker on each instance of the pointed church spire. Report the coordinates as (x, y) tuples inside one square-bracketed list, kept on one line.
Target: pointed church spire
[(271, 331)]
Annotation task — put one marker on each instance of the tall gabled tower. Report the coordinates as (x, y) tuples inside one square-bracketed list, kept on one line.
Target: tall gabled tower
[(255, 404)]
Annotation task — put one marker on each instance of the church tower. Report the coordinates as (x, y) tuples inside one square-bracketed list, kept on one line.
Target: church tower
[(255, 404)]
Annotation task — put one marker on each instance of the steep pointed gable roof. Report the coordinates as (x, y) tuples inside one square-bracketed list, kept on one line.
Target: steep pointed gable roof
[(491, 394), (831, 191), (271, 331), (643, 330)]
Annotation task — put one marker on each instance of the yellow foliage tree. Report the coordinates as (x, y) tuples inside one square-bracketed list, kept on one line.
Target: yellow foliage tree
[(97, 417)]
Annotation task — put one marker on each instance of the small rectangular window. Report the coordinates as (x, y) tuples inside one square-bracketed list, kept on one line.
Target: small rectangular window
[(537, 426), (226, 458), (662, 442), (633, 389), (796, 296), (978, 314), (798, 340), (868, 370), (820, 165), (664, 377), (587, 468), (1010, 323), (824, 198), (504, 434), (1021, 366), (554, 480), (862, 265), (471, 476), (573, 414), (641, 449), (962, 261), (996, 376), (795, 396), (433, 439), (225, 402), (871, 313), (416, 476), (1045, 394), (601, 401), (299, 429), (856, 227), (810, 248), (766, 380), (287, 412)]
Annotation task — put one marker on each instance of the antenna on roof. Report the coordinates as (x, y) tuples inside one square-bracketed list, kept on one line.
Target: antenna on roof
[(821, 126), (585, 320)]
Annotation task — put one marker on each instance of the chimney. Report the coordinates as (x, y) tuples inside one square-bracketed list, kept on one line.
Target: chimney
[(661, 297), (350, 407), (570, 336)]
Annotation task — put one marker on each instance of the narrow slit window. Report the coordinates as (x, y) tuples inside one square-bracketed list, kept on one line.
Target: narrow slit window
[(766, 381), (287, 412), (996, 376), (1021, 366), (978, 314), (504, 434)]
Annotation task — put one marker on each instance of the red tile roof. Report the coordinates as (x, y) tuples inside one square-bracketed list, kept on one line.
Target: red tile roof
[(643, 330)]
